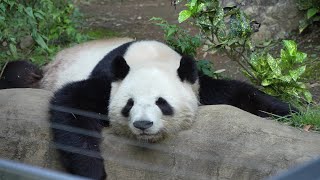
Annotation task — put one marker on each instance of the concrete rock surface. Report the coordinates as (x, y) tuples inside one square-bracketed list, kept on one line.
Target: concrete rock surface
[(224, 143)]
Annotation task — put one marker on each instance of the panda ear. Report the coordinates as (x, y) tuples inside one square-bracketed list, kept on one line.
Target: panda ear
[(188, 69), (119, 68)]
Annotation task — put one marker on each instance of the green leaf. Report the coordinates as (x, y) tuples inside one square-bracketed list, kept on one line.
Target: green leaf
[(295, 74), (200, 7), (308, 96), (184, 15), (290, 46), (193, 3), (300, 57), (254, 62), (285, 57), (273, 65), (13, 50), (2, 8), (270, 91), (292, 91), (311, 12), (40, 41), (38, 15), (207, 72), (286, 78), (20, 8), (29, 11), (170, 32), (301, 85), (266, 82)]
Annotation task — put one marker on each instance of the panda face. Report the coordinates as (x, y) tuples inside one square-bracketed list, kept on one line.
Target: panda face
[(150, 104)]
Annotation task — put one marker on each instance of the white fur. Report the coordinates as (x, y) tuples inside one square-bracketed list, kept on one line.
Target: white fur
[(153, 74), (144, 54), (76, 63)]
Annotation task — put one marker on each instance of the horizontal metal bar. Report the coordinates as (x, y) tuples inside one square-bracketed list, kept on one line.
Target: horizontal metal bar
[(16, 170)]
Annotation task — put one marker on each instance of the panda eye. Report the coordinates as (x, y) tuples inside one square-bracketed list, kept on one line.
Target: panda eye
[(164, 106), (126, 109)]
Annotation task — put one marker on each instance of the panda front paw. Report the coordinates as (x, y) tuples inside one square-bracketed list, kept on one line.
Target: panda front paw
[(85, 166), (95, 170)]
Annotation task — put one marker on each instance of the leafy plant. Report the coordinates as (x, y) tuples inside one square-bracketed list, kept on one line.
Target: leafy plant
[(206, 67), (49, 23), (178, 38), (312, 8), (182, 41), (225, 29), (229, 30), (281, 76)]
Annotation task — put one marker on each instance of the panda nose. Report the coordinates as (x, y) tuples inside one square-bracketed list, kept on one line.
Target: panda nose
[(143, 125)]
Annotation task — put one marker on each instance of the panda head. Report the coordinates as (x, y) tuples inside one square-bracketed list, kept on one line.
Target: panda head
[(153, 92)]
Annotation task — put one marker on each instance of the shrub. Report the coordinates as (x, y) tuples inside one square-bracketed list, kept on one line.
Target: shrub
[(312, 9), (280, 76), (182, 41), (229, 30), (50, 23)]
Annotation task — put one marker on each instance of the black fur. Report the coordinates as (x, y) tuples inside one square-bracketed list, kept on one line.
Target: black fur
[(104, 67), (20, 74), (90, 95), (164, 106), (241, 95), (4, 84), (126, 109), (188, 69), (119, 68)]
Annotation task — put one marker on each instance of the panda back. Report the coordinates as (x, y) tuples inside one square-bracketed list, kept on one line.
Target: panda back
[(150, 53), (76, 63)]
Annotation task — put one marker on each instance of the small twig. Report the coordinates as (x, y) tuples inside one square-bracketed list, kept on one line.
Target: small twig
[(241, 64), (4, 67)]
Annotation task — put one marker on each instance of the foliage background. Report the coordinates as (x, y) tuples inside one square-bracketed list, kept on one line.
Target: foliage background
[(228, 30), (48, 24)]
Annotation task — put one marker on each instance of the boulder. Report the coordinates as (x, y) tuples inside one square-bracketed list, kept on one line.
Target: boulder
[(224, 143), (277, 17)]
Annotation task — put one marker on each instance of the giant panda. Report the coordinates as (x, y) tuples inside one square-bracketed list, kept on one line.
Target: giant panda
[(142, 90)]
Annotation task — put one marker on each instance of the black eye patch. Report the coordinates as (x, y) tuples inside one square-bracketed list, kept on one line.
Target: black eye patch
[(164, 106), (126, 109)]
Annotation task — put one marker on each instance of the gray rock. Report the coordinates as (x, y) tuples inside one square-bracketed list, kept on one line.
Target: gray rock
[(24, 131), (26, 42), (224, 143), (279, 17), (4, 44)]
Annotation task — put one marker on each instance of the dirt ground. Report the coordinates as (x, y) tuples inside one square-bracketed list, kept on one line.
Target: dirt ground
[(131, 18)]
